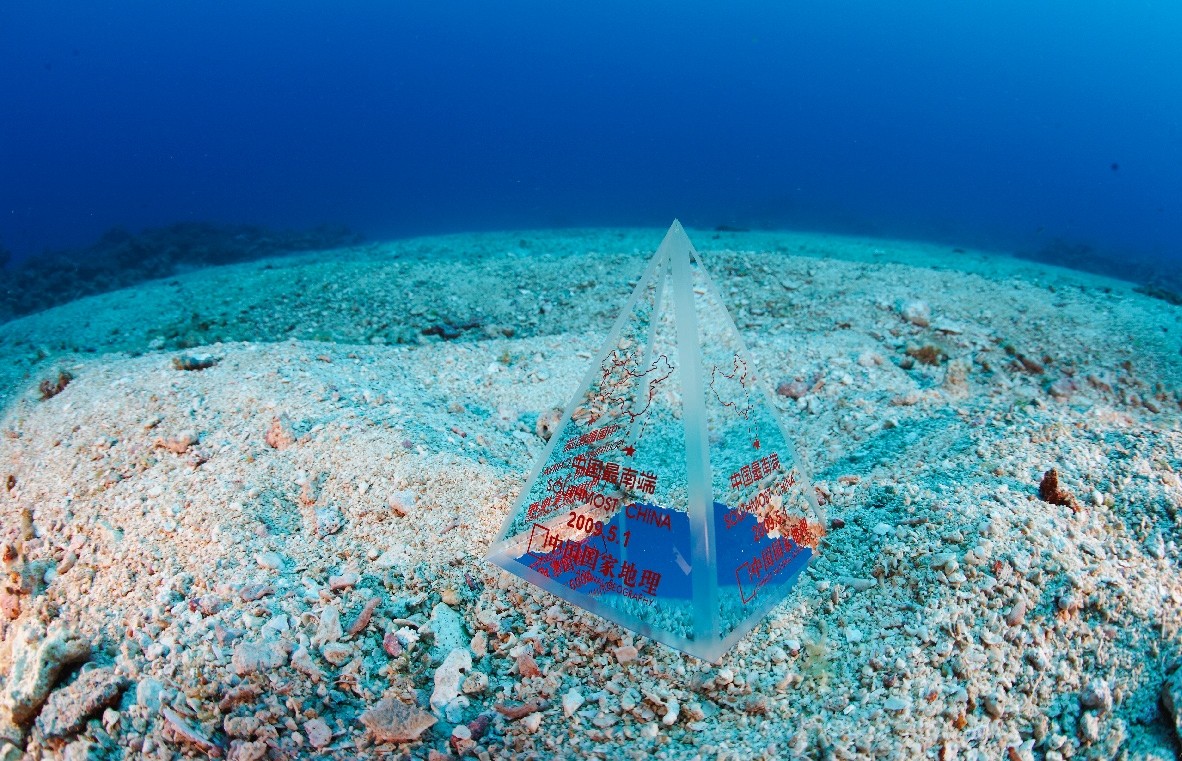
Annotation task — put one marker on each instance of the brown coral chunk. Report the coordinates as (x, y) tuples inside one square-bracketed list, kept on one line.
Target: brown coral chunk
[(513, 713), (1050, 491), (363, 617), (527, 666), (179, 444), (928, 354), (51, 388), (393, 721), (279, 435)]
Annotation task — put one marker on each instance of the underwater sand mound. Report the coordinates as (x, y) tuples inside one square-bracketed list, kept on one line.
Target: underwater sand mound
[(280, 555)]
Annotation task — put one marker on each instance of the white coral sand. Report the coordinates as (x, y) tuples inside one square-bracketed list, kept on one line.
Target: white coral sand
[(951, 612)]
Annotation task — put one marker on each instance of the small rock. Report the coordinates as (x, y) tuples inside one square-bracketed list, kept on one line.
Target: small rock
[(344, 581), (194, 361), (794, 389), (318, 733), (402, 502), (252, 592), (1097, 695), (363, 618), (301, 660), (532, 723), (1089, 727), (270, 560), (35, 665), (852, 635), (882, 529), (479, 644), (395, 557), (448, 627), (572, 701), (1017, 613), (1050, 491), (449, 676), (943, 560), (329, 628), (626, 653), (178, 444), (336, 653), (148, 694), (243, 750), (391, 645), (393, 721), (672, 709), (280, 434), (240, 726), (916, 312), (476, 683), (66, 711), (527, 666), (869, 359), (896, 704), (328, 521), (261, 656), (184, 732), (461, 739), (548, 423), (994, 705)]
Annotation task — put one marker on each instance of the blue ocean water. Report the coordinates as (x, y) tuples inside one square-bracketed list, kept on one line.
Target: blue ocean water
[(1010, 125)]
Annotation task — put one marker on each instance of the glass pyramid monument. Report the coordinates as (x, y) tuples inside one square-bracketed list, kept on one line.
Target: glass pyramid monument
[(669, 498)]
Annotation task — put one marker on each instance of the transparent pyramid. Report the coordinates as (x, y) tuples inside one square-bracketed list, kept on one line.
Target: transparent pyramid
[(670, 500)]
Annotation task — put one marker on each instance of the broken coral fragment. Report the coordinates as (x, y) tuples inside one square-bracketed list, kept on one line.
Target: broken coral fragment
[(393, 721), (66, 711), (36, 664)]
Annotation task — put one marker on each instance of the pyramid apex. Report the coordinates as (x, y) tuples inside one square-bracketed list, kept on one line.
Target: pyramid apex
[(676, 236)]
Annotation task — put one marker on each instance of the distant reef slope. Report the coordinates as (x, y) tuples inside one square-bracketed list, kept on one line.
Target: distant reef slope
[(120, 259)]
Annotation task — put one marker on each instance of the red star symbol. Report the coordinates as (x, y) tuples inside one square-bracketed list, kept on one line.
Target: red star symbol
[(629, 450), (757, 443)]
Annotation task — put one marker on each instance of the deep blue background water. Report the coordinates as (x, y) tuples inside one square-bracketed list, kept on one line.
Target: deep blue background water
[(1005, 123)]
